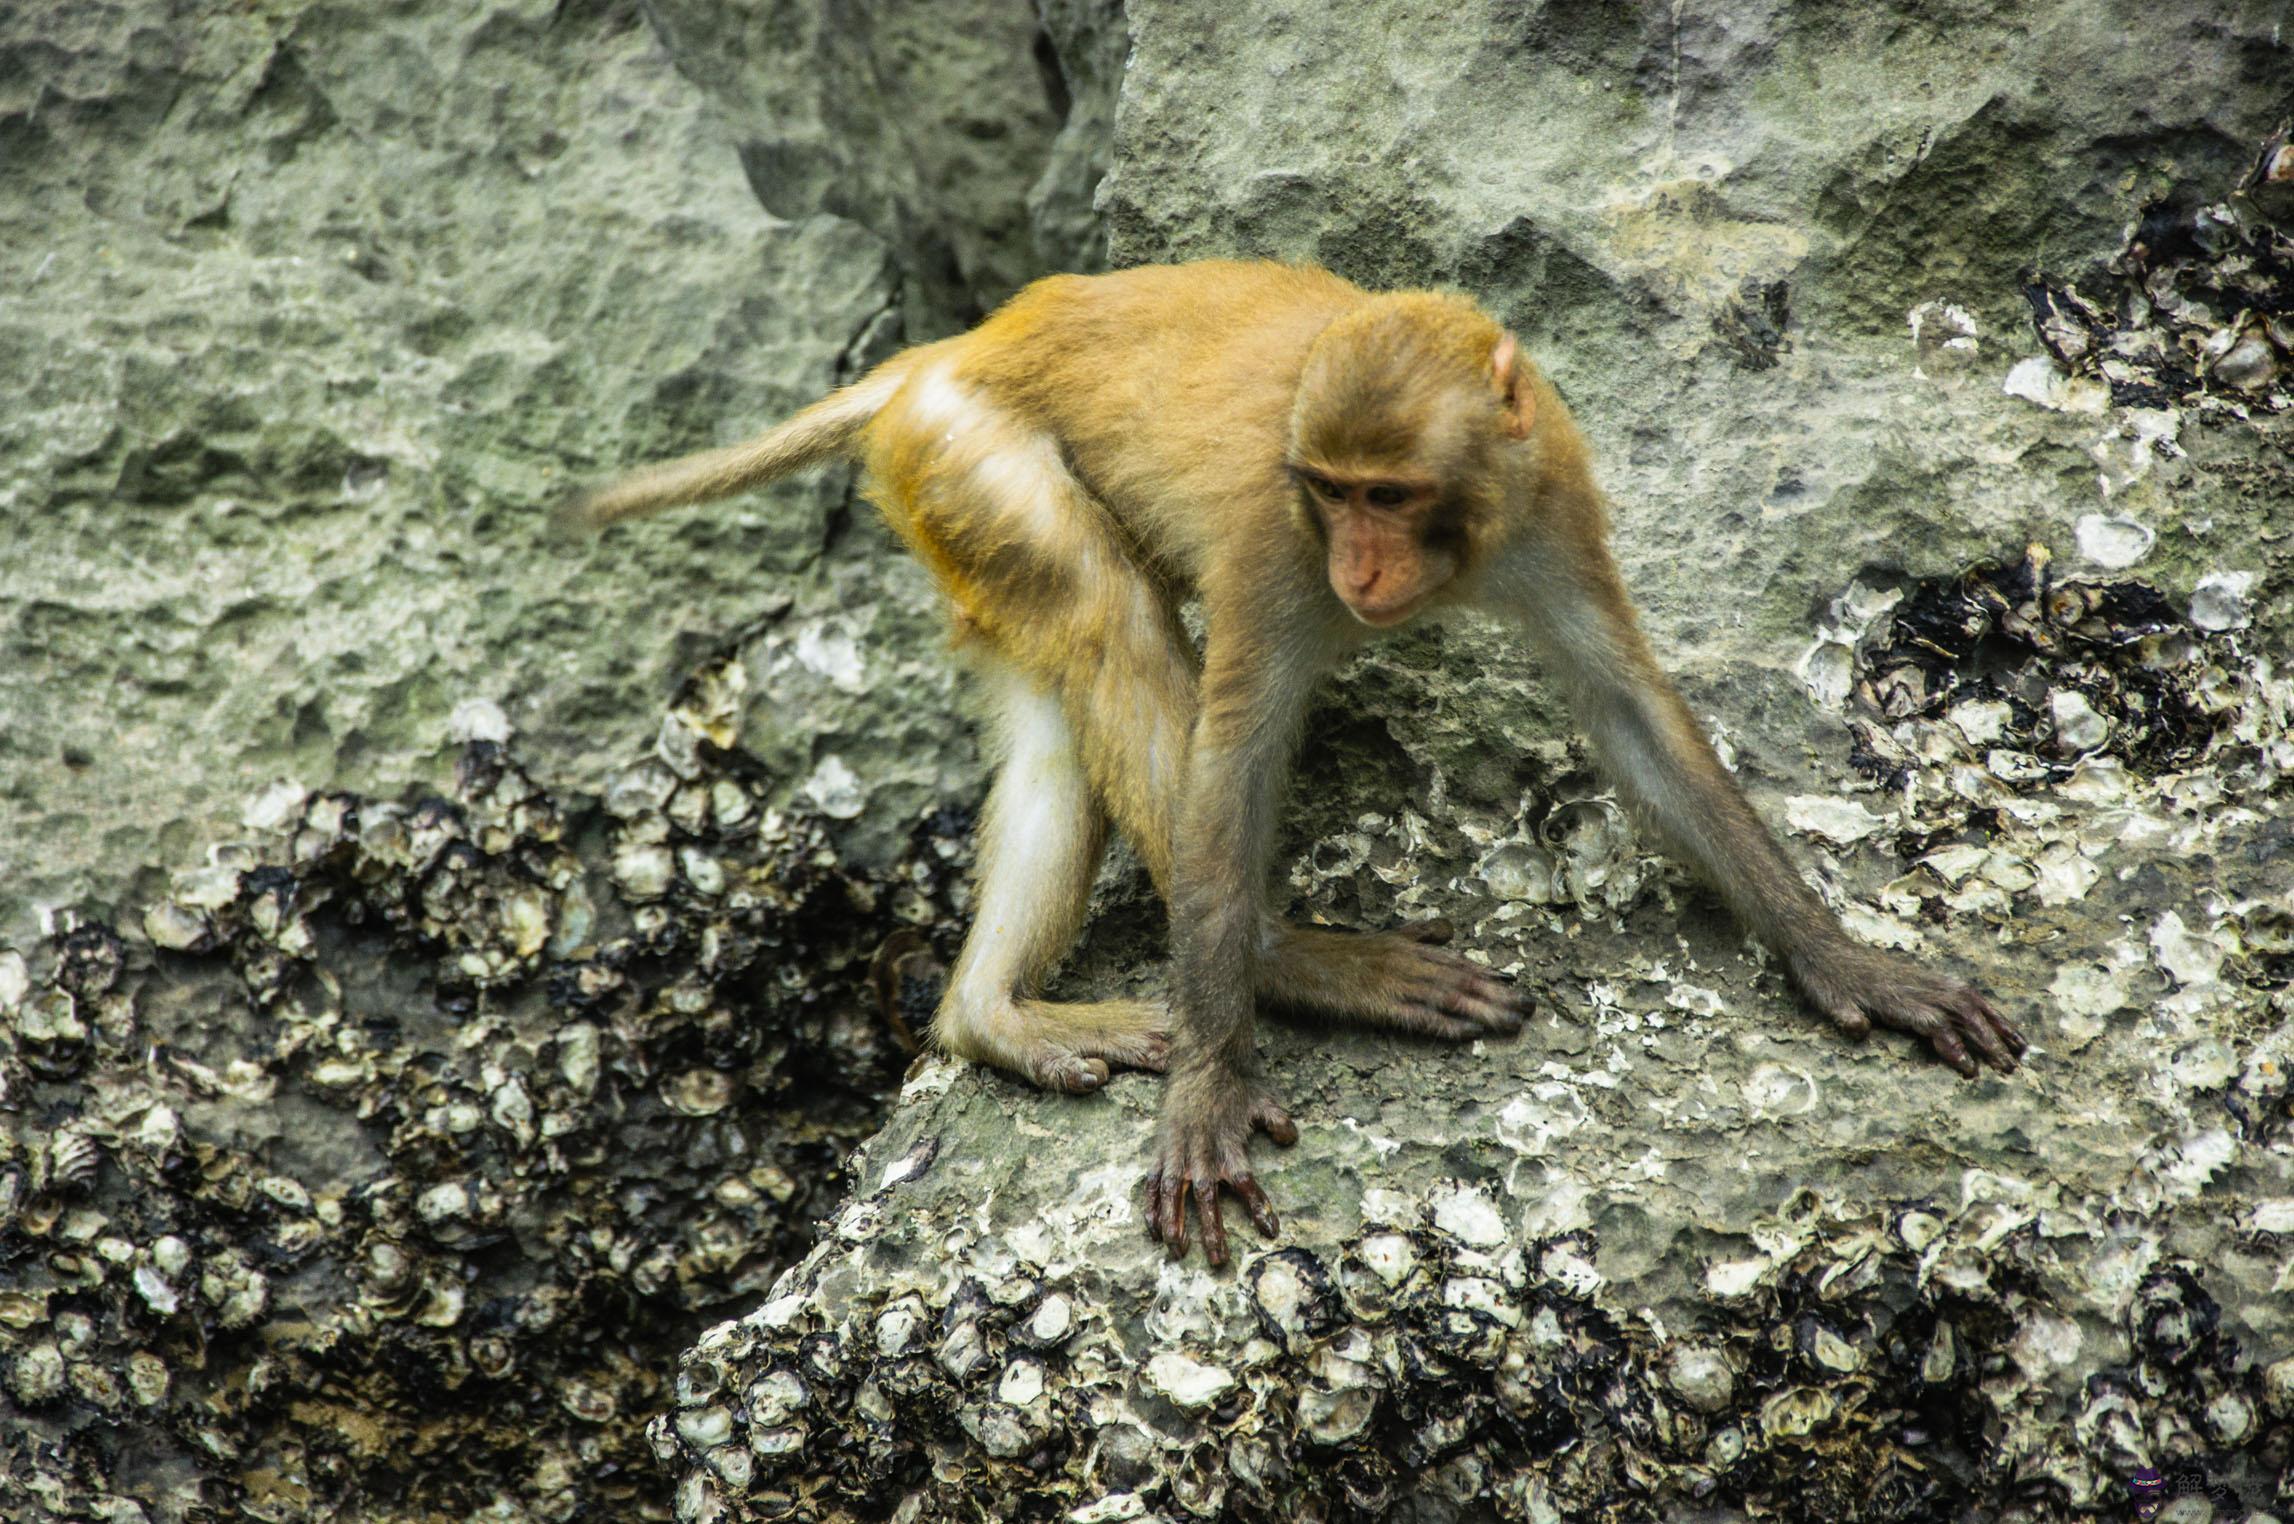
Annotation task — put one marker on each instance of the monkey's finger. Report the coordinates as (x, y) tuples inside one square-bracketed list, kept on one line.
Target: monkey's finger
[(1497, 1008), (1175, 1217), (1979, 1022), (1445, 973), (1069, 1073), (2010, 1031), (1153, 1053), (1487, 1009), (1214, 1230), (2004, 1029), (1458, 974), (1271, 1119), (1464, 1025), (1261, 1209), (1946, 1042), (1160, 1207), (1427, 1021), (1849, 1018), (1154, 1213)]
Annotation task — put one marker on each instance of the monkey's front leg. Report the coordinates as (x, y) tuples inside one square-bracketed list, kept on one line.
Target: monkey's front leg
[(1666, 763), (1213, 1098), (1576, 607)]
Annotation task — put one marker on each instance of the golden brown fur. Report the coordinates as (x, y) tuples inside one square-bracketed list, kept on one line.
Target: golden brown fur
[(1313, 462)]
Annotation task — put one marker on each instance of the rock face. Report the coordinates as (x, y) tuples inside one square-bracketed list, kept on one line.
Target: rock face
[(1851, 305), (317, 1198), (311, 308), (1938, 362)]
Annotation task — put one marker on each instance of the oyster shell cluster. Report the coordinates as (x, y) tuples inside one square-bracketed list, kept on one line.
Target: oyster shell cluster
[(2036, 675), (2024, 734), (1437, 1365), (2196, 311), (380, 1166)]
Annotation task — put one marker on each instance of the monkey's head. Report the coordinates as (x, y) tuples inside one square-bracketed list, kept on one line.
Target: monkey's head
[(1399, 444)]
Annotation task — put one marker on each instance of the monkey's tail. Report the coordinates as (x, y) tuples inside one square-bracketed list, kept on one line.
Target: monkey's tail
[(825, 429)]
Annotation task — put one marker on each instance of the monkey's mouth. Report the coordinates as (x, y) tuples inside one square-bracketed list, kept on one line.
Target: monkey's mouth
[(1387, 616)]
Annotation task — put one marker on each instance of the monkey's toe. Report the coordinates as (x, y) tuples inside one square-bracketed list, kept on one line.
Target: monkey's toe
[(1151, 1053), (1459, 1001), (1128, 1034), (1498, 1011), (1068, 1048), (1966, 1020), (2001, 1044), (1069, 1072), (1860, 989)]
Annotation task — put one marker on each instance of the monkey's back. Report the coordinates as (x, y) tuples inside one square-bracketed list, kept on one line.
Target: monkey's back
[(1170, 386)]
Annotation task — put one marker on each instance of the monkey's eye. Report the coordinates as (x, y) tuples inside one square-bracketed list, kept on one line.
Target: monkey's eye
[(1324, 488), (1388, 496)]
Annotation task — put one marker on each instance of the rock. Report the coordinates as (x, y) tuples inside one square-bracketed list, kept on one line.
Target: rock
[(317, 309), (1701, 1378), (533, 1165)]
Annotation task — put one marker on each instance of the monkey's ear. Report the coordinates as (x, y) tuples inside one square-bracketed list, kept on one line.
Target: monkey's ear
[(1519, 402)]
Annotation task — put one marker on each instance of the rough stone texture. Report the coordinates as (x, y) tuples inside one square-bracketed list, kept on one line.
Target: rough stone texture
[(307, 312), (312, 306), (977, 197), (309, 308)]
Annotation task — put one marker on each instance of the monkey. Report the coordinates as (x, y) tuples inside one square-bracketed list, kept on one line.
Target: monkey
[(1317, 464)]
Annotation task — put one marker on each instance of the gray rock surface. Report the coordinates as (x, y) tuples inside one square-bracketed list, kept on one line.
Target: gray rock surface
[(311, 307)]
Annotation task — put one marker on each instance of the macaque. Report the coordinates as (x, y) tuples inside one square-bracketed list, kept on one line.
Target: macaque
[(1316, 464)]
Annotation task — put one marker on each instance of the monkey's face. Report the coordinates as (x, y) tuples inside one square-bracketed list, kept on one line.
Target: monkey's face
[(1392, 545)]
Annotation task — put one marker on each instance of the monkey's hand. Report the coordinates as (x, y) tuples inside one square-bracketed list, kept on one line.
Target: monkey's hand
[(1202, 1144), (1857, 986)]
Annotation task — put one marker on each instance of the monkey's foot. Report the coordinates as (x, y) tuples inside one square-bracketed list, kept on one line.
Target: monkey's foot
[(1066, 1047), (1402, 981), (1858, 987), (1204, 1145)]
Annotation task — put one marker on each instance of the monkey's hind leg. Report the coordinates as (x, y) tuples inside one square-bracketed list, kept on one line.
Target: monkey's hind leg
[(1040, 840), (1402, 981)]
